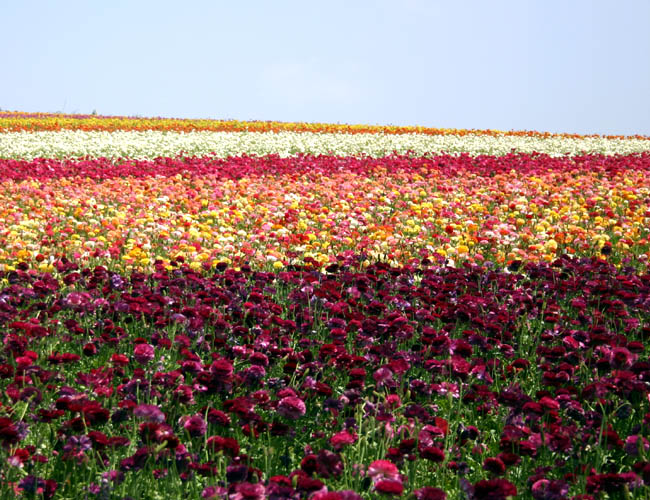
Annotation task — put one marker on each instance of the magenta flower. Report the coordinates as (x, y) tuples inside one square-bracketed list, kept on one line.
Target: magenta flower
[(150, 413), (382, 376), (335, 495), (143, 353), (248, 491), (194, 425), (291, 407)]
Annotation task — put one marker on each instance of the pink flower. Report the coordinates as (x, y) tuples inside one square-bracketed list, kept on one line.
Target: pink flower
[(393, 401), (214, 493), (248, 491), (383, 469), (342, 438), (291, 407), (143, 353), (382, 376)]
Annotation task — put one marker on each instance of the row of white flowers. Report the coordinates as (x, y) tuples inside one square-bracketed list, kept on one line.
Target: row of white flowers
[(151, 144)]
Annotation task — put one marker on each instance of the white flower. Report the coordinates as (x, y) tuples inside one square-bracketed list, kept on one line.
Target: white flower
[(151, 144)]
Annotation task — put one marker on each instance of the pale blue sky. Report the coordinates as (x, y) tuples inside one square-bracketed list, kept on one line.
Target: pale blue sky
[(549, 65)]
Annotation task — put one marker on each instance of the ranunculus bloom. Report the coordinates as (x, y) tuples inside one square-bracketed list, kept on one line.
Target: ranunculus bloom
[(545, 489), (389, 487), (494, 489), (228, 445), (611, 482), (634, 443), (430, 493), (494, 465), (248, 491), (335, 495), (383, 469), (291, 407), (143, 353), (150, 413), (343, 438), (214, 492), (432, 453), (194, 425)]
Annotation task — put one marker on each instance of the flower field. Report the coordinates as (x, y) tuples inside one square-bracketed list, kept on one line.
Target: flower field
[(251, 310)]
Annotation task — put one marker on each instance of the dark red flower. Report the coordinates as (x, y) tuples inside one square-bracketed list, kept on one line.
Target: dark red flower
[(494, 489), (432, 453), (494, 465), (430, 493), (611, 482)]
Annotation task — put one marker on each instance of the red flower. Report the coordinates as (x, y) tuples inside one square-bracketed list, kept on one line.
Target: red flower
[(389, 487), (343, 438)]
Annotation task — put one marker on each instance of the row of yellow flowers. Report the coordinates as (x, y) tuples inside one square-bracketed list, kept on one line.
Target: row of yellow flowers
[(13, 121)]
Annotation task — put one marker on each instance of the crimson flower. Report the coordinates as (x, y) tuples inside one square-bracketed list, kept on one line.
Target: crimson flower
[(389, 487)]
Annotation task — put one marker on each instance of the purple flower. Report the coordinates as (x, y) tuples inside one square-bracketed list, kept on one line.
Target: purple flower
[(545, 489), (77, 443), (150, 413), (634, 443)]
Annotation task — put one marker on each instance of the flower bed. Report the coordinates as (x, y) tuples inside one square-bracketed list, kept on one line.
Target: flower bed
[(311, 315), (271, 211)]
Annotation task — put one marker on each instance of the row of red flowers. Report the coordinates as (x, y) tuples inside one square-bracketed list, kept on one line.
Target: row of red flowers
[(238, 167)]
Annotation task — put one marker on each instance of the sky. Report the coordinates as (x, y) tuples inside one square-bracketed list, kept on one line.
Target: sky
[(550, 65)]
